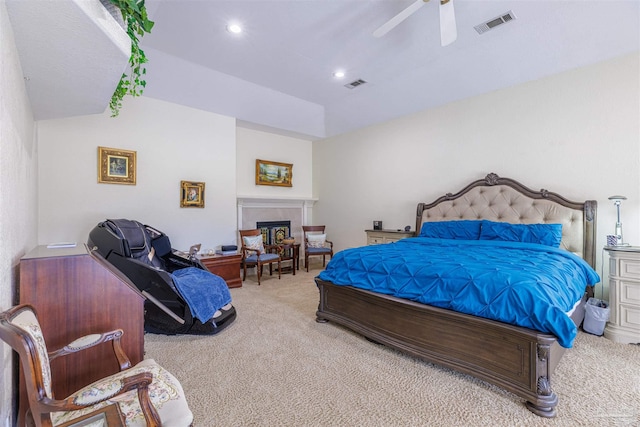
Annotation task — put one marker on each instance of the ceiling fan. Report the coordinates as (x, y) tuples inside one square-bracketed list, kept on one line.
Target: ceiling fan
[(448, 30)]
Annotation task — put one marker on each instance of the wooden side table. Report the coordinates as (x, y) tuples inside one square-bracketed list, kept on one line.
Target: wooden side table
[(225, 266), (291, 253)]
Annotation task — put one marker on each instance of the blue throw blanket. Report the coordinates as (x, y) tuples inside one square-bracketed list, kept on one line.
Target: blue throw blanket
[(204, 292), (525, 284)]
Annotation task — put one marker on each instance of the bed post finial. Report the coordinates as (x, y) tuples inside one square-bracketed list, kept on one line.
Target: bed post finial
[(492, 179)]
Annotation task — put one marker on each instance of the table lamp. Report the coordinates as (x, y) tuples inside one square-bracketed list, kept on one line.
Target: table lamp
[(616, 201)]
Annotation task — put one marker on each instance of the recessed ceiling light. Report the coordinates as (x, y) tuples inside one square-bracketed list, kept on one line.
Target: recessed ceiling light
[(338, 74), (234, 28)]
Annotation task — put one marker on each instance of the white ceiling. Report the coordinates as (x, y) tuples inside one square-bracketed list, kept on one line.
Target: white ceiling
[(292, 47), (72, 55), (277, 74)]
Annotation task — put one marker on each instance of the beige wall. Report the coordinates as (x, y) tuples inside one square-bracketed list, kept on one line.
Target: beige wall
[(576, 133), (253, 144), (172, 143), (18, 191)]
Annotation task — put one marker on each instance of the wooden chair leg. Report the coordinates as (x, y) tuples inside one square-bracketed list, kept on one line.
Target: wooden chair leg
[(306, 261), (279, 269), (324, 260), (259, 271)]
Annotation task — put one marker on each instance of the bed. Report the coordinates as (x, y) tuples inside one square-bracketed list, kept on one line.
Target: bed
[(516, 358)]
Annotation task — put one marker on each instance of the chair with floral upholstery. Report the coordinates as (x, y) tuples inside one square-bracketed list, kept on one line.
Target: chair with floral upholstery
[(256, 253), (145, 394), (316, 243)]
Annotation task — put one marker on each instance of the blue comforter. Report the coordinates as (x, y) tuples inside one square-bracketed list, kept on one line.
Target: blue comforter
[(525, 284)]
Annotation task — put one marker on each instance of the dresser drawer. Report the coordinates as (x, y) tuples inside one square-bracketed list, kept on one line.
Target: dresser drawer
[(629, 293), (630, 317), (629, 269), (376, 237)]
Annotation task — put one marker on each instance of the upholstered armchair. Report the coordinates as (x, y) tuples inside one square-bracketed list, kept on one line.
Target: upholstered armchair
[(143, 395), (316, 243), (256, 253)]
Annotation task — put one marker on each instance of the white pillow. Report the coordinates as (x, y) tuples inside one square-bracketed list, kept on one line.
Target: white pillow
[(316, 240), (253, 242)]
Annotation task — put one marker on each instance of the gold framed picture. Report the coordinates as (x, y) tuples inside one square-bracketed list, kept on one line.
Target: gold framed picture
[(191, 194), (274, 173), (116, 166)]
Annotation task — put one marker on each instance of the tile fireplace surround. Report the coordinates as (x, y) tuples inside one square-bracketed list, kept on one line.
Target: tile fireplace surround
[(254, 209)]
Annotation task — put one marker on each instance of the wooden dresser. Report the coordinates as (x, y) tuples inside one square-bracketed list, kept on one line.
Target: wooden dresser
[(225, 266), (75, 294)]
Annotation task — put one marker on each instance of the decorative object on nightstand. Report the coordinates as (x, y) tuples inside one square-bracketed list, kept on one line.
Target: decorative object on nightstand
[(624, 294), (617, 200)]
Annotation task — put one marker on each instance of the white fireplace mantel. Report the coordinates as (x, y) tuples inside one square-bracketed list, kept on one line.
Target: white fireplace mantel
[(275, 202), (302, 206)]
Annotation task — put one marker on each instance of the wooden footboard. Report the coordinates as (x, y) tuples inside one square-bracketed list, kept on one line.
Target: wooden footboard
[(516, 359)]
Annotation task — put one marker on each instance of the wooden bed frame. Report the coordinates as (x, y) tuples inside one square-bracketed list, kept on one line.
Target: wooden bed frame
[(517, 359)]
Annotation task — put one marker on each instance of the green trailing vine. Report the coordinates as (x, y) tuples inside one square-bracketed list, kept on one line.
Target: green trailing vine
[(134, 14)]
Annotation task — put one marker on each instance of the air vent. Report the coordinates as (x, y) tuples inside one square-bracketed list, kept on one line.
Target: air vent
[(492, 23), (354, 84)]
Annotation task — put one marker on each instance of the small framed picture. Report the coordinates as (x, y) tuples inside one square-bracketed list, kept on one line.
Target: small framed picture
[(191, 194), (116, 166), (274, 173)]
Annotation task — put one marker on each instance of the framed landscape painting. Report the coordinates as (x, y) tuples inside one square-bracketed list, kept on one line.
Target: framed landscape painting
[(274, 173), (116, 166)]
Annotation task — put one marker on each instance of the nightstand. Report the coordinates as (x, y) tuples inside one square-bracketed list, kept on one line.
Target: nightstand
[(376, 237), (624, 294), (225, 266)]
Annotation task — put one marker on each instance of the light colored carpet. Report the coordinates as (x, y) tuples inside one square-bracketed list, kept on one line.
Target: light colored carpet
[(275, 366)]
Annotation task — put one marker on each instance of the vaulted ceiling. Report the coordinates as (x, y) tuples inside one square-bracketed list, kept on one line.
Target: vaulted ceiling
[(278, 73)]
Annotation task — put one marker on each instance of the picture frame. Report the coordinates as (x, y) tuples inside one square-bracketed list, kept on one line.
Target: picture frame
[(191, 194), (116, 166), (274, 173)]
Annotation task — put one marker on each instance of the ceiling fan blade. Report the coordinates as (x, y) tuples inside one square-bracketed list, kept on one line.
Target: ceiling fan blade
[(390, 24), (448, 28)]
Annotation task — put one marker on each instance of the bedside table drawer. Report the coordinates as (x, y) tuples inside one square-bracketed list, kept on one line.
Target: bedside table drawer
[(629, 269), (630, 317), (630, 293), (376, 237)]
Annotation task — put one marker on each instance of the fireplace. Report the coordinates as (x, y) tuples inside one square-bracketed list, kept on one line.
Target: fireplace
[(274, 231), (297, 212)]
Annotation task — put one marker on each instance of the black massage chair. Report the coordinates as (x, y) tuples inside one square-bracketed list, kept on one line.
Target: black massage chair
[(145, 256)]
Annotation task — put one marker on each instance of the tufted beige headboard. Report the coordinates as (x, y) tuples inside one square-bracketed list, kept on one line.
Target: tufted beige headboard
[(503, 199)]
